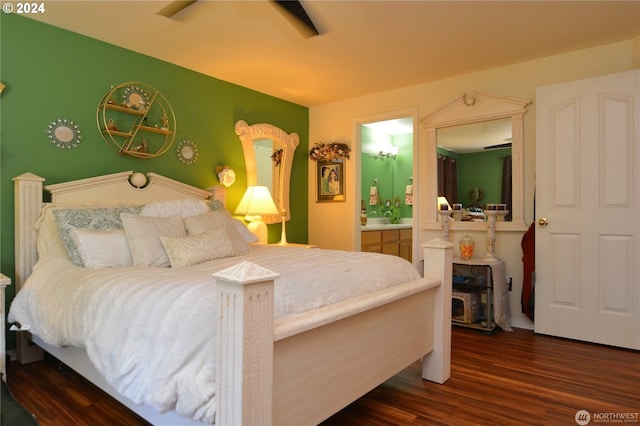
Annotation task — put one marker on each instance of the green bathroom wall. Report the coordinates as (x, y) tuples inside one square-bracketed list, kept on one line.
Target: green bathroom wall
[(393, 175), (52, 73), (403, 175)]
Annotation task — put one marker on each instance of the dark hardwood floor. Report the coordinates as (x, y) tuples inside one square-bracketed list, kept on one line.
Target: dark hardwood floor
[(514, 378)]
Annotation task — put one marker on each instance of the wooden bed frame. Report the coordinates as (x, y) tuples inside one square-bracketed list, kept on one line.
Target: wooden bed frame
[(296, 370)]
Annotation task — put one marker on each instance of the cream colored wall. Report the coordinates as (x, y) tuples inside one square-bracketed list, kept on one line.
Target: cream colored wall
[(336, 225)]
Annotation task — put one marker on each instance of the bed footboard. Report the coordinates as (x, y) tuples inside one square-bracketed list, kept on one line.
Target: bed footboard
[(267, 369), (438, 261)]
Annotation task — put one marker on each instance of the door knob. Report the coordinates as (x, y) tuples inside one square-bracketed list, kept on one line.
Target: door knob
[(543, 221)]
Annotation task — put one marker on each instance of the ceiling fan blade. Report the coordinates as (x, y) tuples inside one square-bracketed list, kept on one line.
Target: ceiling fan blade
[(501, 145), (294, 9), (175, 7)]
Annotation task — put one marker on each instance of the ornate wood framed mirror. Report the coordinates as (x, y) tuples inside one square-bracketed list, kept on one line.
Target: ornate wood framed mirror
[(478, 113), (268, 158)]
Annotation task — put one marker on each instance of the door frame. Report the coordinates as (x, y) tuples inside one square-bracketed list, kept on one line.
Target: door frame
[(358, 122)]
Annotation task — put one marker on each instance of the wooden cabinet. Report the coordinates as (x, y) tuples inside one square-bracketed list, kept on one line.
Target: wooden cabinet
[(406, 244), (396, 242), (390, 242), (370, 241)]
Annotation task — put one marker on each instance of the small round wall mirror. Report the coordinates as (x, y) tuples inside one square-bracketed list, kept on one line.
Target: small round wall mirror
[(187, 152), (64, 134), (135, 97)]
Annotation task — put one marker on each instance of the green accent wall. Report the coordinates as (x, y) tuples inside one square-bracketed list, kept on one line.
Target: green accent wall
[(52, 73)]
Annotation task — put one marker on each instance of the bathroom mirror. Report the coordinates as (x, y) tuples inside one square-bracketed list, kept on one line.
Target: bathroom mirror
[(472, 115), (268, 158)]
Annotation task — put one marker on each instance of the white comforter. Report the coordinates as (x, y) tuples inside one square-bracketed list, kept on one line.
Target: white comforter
[(148, 330)]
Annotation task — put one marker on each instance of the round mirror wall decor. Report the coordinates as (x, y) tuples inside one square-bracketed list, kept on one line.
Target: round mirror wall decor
[(136, 120), (187, 152), (64, 134), (135, 98)]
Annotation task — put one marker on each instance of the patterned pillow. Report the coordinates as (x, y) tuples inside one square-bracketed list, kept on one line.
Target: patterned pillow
[(195, 249), (98, 219), (215, 205)]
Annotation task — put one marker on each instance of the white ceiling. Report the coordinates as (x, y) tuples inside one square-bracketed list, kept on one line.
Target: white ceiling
[(365, 46)]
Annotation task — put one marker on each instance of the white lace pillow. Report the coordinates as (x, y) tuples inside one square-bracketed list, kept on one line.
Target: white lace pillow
[(195, 249), (183, 208), (102, 249), (143, 234), (213, 220)]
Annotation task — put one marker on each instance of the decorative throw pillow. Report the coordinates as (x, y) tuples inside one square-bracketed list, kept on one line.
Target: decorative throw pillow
[(144, 235), (195, 249), (213, 220), (242, 229), (99, 218), (183, 208), (215, 205), (102, 249)]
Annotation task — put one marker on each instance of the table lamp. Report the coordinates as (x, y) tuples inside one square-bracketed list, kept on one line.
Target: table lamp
[(255, 202), (444, 210)]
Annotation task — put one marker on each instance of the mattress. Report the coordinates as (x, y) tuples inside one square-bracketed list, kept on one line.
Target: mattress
[(148, 329)]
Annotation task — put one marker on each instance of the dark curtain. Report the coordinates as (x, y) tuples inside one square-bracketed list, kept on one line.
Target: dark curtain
[(448, 178), (506, 185)]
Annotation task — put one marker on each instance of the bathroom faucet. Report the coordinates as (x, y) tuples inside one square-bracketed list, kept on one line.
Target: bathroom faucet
[(386, 216), (373, 213)]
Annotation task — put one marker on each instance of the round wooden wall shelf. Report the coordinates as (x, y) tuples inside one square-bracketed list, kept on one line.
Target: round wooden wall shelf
[(136, 120)]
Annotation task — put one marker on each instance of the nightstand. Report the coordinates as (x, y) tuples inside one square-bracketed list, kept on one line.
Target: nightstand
[(4, 282), (481, 287)]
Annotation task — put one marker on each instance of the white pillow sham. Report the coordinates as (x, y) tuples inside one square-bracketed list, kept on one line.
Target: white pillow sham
[(212, 220), (183, 208), (144, 235), (95, 218), (194, 249), (102, 249), (242, 229)]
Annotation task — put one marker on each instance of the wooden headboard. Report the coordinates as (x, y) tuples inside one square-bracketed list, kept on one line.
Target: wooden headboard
[(104, 190)]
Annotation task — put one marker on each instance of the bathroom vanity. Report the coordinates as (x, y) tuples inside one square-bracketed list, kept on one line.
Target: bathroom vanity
[(393, 239)]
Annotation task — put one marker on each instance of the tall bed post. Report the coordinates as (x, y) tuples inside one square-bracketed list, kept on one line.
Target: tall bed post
[(27, 209), (438, 258), (244, 366)]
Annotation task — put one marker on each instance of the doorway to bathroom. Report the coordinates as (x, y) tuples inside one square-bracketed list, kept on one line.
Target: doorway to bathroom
[(385, 187)]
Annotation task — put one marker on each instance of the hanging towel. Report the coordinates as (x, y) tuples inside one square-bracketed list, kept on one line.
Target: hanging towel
[(408, 195), (373, 196)]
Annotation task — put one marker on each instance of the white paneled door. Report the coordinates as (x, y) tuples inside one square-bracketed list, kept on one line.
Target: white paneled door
[(587, 284)]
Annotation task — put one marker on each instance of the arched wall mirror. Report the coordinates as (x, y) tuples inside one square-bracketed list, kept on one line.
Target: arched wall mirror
[(268, 158), (474, 156)]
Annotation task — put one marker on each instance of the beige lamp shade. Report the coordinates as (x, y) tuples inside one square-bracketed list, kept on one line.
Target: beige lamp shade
[(255, 202), (443, 204)]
